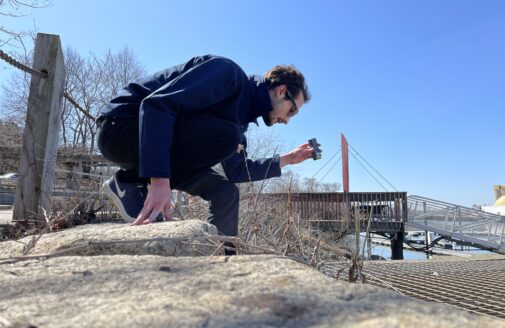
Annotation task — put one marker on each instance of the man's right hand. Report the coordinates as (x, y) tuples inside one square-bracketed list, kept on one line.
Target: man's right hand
[(159, 199)]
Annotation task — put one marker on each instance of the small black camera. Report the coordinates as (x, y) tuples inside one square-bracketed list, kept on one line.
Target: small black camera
[(316, 152)]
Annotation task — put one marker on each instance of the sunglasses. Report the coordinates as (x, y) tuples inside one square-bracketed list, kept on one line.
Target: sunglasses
[(294, 109)]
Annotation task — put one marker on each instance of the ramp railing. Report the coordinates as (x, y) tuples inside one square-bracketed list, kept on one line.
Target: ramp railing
[(458, 222)]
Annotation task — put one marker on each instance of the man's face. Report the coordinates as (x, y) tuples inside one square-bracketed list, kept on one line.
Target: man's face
[(284, 105)]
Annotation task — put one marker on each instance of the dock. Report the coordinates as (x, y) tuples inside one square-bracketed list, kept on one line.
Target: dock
[(437, 251), (475, 284)]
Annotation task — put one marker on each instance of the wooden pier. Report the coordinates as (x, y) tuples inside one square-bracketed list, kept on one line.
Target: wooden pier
[(385, 211), (346, 212)]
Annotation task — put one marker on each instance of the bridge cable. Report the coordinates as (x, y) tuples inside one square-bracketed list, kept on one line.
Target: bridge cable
[(331, 168), (368, 171), (370, 165), (325, 164)]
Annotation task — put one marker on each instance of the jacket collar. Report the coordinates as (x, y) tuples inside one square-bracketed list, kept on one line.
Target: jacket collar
[(261, 104)]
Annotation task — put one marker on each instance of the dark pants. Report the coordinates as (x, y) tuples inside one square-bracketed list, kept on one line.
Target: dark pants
[(223, 198), (199, 143)]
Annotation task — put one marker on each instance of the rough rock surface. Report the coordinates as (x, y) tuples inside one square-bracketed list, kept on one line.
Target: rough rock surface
[(241, 291), (153, 239), (129, 288)]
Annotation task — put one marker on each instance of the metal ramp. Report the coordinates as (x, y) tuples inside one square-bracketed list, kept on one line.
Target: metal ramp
[(457, 222)]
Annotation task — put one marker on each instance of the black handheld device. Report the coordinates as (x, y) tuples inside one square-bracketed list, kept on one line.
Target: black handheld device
[(316, 152)]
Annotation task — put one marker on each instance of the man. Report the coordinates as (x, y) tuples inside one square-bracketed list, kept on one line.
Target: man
[(168, 130)]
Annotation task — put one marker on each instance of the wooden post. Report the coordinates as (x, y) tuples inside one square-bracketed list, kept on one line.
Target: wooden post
[(40, 137), (345, 162), (397, 244)]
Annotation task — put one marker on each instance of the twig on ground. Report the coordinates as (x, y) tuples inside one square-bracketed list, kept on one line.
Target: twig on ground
[(14, 259), (217, 249), (183, 240), (49, 224), (384, 283), (314, 260)]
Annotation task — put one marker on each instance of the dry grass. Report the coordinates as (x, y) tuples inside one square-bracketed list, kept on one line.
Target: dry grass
[(271, 226), (265, 226), (66, 212)]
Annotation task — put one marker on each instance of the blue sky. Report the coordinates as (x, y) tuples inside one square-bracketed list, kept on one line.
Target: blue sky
[(417, 87)]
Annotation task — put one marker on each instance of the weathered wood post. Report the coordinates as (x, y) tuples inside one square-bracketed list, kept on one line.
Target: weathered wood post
[(40, 137), (345, 162), (397, 244), (398, 237)]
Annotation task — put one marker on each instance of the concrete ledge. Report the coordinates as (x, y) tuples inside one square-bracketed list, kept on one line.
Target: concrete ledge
[(242, 291), (134, 279), (153, 239)]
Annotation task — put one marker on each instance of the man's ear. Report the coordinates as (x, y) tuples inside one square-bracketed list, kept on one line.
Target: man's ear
[(281, 89)]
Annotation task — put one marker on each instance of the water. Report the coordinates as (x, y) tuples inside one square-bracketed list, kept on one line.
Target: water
[(384, 251)]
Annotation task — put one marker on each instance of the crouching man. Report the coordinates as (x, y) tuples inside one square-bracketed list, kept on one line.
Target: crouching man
[(168, 130)]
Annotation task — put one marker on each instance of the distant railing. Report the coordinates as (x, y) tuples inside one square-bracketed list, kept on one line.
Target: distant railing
[(458, 222), (70, 186)]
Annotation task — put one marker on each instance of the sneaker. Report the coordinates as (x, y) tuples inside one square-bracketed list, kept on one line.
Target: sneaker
[(129, 197)]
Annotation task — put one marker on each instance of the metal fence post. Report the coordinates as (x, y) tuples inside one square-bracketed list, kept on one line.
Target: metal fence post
[(40, 136)]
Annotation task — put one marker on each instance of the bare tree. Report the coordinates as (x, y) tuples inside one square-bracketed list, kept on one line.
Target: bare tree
[(14, 99), (84, 83), (330, 187), (16, 9), (15, 91), (11, 134), (313, 185), (92, 81), (260, 144), (289, 181), (119, 69)]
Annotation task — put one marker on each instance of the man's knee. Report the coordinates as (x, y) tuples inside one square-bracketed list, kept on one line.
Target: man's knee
[(228, 192), (224, 209)]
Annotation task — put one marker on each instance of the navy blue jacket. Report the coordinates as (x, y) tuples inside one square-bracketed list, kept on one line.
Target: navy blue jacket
[(210, 85)]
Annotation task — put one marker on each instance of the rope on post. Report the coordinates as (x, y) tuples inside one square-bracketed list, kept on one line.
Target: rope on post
[(8, 59), (76, 105)]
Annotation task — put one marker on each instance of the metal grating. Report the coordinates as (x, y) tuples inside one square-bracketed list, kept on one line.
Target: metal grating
[(476, 284)]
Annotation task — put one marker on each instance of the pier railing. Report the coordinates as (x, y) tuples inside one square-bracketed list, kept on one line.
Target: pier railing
[(458, 222)]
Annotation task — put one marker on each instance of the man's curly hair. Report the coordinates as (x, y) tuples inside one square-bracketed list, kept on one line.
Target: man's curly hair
[(289, 76)]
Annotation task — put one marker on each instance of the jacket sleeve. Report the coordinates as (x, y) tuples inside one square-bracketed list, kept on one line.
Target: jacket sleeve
[(195, 90), (239, 168)]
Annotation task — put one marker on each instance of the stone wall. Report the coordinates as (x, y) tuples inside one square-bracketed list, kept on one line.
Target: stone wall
[(145, 286)]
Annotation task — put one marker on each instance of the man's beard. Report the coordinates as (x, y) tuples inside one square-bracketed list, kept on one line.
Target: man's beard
[(267, 119)]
